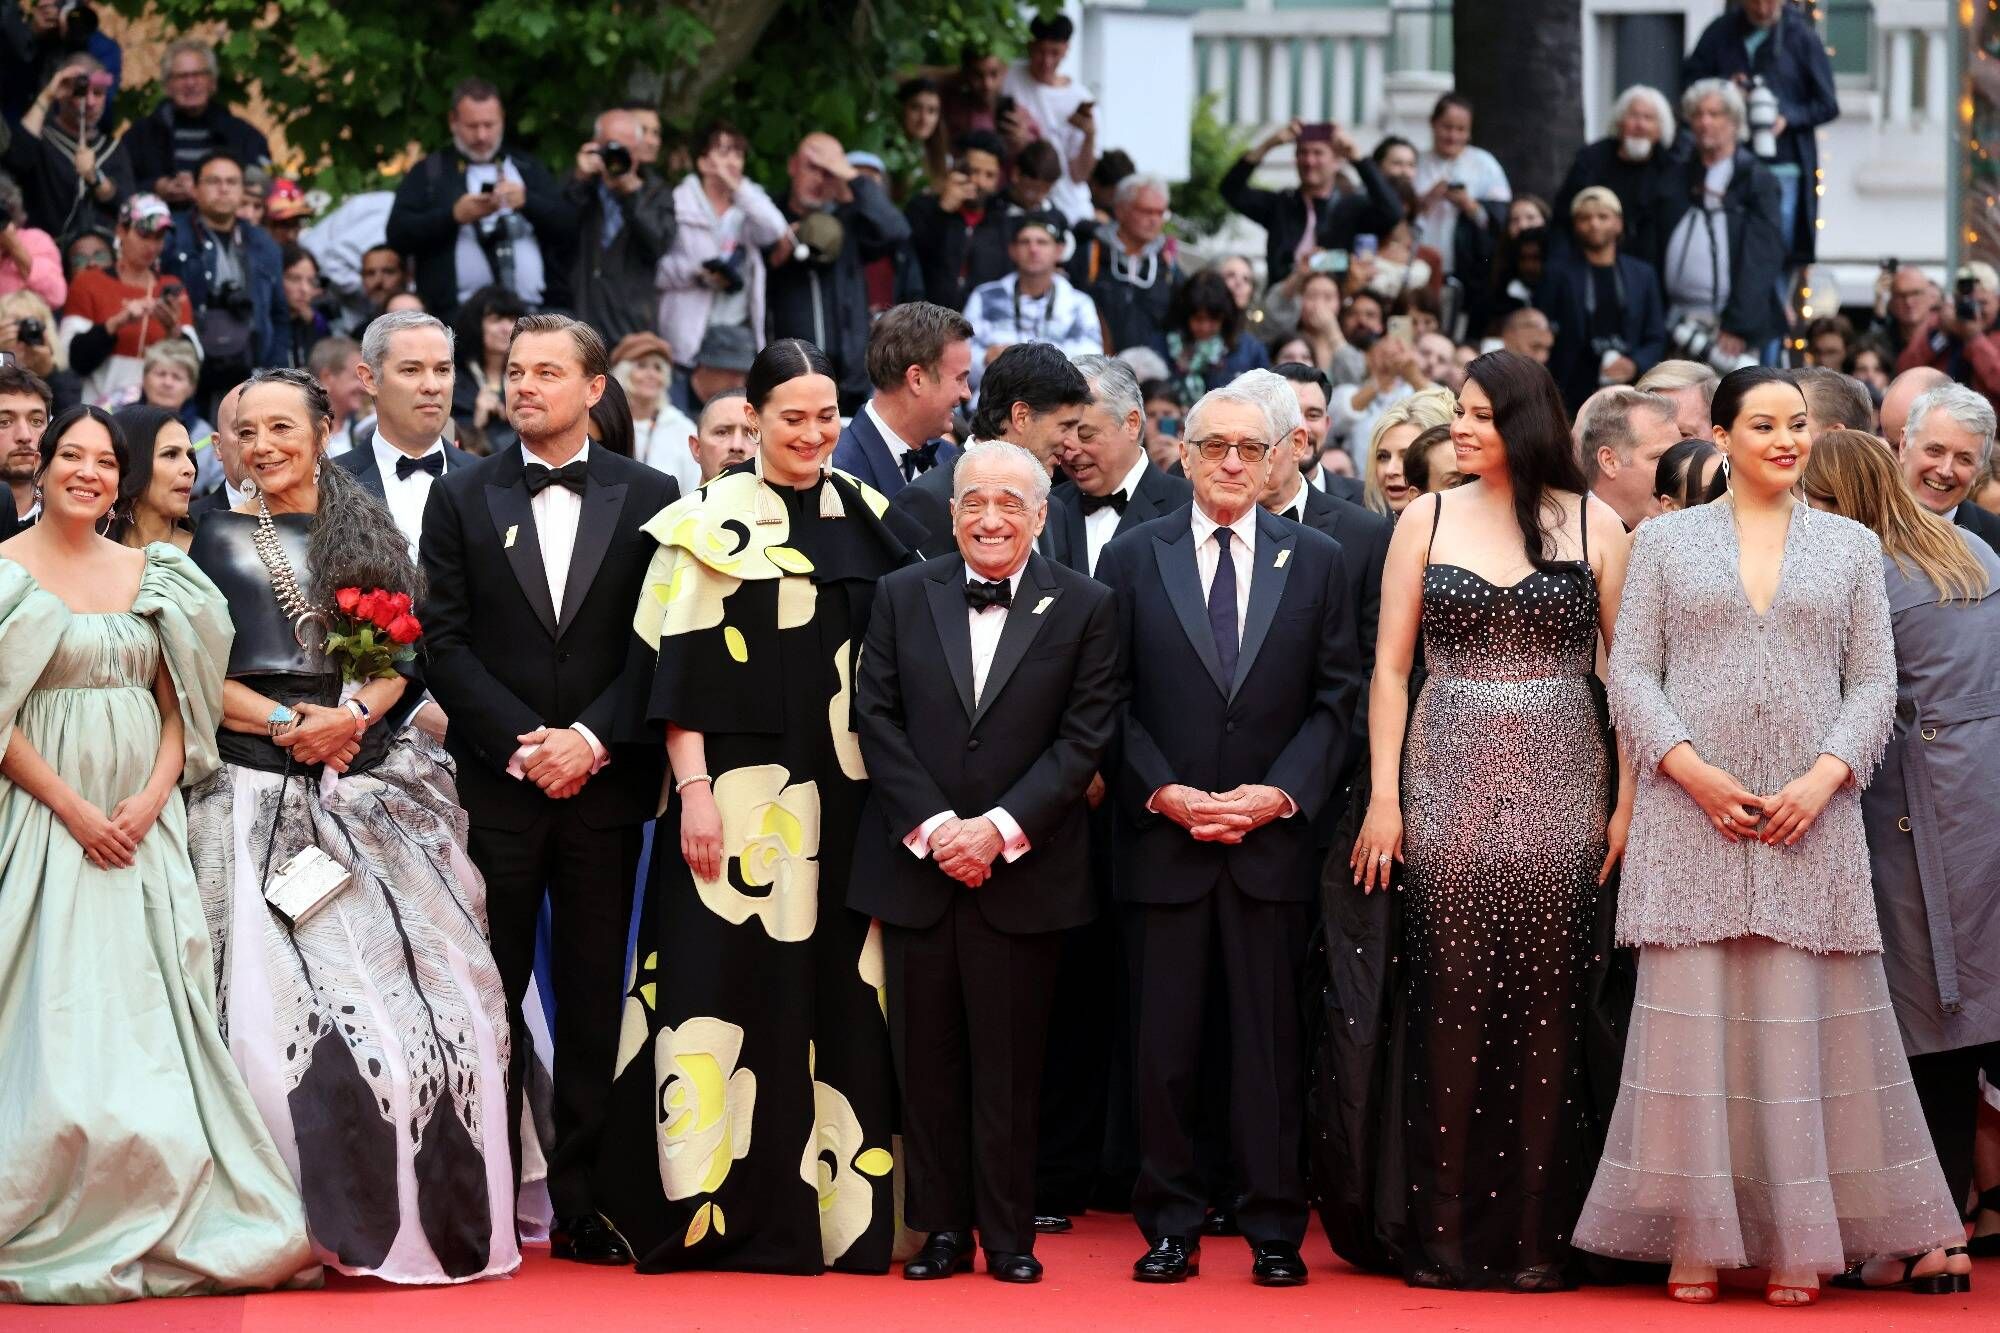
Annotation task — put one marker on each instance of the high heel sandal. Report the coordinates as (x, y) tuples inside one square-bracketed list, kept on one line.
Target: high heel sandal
[(1771, 1290), (1695, 1293), (1943, 1283)]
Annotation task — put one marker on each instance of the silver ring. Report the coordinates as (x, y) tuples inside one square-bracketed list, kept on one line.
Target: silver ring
[(1383, 857)]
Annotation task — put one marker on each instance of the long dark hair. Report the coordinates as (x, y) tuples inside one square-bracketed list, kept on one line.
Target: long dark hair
[(611, 419), (1206, 294), (141, 423), (53, 434), (781, 362), (469, 326), (1528, 414), (353, 541), (1677, 476), (1737, 385)]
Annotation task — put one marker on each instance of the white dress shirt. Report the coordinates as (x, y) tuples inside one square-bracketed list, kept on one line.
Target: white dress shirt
[(986, 625), (1099, 528), (406, 496), (1242, 553), (898, 446), (556, 510), (1296, 510)]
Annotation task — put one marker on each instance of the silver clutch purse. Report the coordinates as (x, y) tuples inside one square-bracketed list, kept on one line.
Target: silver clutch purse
[(304, 884)]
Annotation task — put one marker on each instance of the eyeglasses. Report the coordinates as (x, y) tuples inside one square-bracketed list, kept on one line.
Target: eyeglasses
[(1215, 450)]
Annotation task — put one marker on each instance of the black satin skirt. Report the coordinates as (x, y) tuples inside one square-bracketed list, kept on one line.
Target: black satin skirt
[(264, 755)]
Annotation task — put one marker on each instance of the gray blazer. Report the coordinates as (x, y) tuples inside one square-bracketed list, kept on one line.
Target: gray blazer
[(1932, 837), (1762, 697)]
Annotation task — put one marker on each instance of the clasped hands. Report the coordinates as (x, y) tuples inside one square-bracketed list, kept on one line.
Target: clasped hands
[(1738, 813), (322, 735), (558, 760), (1225, 816), (965, 849)]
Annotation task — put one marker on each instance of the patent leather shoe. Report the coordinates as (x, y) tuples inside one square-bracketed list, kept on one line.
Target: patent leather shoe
[(1013, 1267), (1052, 1222), (588, 1239), (1171, 1259), (1275, 1264), (944, 1254)]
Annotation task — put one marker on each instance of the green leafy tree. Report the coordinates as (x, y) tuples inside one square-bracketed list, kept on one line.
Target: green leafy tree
[(1213, 148), (355, 82)]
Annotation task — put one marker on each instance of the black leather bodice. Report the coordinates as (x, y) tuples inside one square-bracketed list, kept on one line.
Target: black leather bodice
[(265, 642)]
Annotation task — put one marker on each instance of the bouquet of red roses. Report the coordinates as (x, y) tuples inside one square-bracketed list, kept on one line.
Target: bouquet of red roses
[(373, 631)]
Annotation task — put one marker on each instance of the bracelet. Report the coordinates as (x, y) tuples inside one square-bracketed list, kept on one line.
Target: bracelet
[(281, 716), (691, 780), (361, 713)]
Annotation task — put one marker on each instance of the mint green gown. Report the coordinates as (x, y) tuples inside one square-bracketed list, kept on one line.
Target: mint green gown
[(132, 1160)]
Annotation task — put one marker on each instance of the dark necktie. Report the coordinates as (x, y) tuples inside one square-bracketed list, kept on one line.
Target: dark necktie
[(979, 595), (1222, 606), (1117, 501), (432, 463), (919, 460), (572, 474)]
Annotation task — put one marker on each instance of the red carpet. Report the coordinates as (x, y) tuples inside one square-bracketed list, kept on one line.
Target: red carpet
[(1088, 1287)]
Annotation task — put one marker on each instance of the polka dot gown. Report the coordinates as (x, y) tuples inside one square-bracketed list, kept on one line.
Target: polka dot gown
[(1504, 804)]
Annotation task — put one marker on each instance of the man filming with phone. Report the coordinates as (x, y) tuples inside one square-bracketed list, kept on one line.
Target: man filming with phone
[(1314, 217), (625, 222), (1959, 337)]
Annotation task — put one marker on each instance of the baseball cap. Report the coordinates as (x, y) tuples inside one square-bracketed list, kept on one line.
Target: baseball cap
[(146, 214)]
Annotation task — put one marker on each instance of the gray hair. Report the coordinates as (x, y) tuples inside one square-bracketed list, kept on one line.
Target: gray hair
[(1966, 407), (1001, 451), (1113, 385), (1129, 189), (186, 46), (1235, 393), (375, 340), (1280, 399), (1608, 424), (1146, 363), (1653, 97), (1723, 91)]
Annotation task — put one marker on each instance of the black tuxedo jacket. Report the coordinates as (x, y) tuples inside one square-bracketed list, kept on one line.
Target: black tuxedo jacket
[(862, 452), (920, 515), (1030, 746), (1364, 536), (1339, 484), (1283, 720), (1978, 522), (503, 661), (1157, 493), (10, 518), (360, 463), (204, 505)]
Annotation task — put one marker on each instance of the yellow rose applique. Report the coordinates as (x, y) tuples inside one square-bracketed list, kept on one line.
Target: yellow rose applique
[(838, 1165), (705, 1105), (770, 839)]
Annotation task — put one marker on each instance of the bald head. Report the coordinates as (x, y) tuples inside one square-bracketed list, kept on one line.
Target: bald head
[(1902, 391), (1526, 333), (813, 183), (227, 451)]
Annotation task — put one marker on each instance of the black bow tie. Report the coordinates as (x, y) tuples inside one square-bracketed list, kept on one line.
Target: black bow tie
[(571, 474), (919, 460), (432, 463), (1117, 501), (980, 595)]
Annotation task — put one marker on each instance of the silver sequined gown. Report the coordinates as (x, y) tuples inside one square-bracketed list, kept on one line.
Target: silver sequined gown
[(1504, 808)]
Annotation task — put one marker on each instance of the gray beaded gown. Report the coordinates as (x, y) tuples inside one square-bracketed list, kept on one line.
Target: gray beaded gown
[(1505, 796)]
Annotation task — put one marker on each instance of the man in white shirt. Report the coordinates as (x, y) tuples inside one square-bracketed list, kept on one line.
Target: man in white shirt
[(1033, 304), (1062, 110), (974, 849), (920, 367)]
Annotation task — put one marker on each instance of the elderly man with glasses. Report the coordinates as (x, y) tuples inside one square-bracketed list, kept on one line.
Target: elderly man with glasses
[(1241, 675), (188, 124)]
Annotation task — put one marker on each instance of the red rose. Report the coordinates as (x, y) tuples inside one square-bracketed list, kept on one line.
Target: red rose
[(385, 611), (405, 629), (399, 603), (364, 607), (346, 598)]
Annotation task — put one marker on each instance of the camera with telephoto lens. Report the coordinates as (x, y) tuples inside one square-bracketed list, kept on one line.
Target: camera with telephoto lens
[(1696, 339), (30, 332), (729, 269), (232, 298), (617, 158), (1963, 304)]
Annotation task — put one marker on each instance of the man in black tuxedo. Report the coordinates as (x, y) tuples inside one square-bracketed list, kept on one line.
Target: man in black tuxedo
[(407, 368), (920, 362), (535, 561), (1037, 402), (1086, 1136), (229, 455), (974, 849), (1314, 391), (1241, 670)]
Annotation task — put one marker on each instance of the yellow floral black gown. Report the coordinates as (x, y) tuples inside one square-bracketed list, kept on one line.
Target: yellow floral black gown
[(753, 1112)]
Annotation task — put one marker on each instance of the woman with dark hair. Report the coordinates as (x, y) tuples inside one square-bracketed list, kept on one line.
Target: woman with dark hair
[(305, 322), (1929, 812), (611, 419), (481, 332), (924, 156), (1496, 795), (1430, 463), (1765, 1114), (753, 1024), (357, 990), (1689, 473), (154, 492), (1206, 345), (1460, 188), (714, 275), (136, 1162)]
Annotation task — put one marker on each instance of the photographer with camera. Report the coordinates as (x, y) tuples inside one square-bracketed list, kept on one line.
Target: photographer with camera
[(28, 337), (713, 275), (72, 173), (188, 124), (1610, 322), (115, 314), (234, 276), (625, 222), (37, 38), (1959, 337), (959, 231), (476, 214)]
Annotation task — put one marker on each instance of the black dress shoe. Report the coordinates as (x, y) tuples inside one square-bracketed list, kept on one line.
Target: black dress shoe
[(587, 1240), (1052, 1222), (1276, 1264), (945, 1253), (1221, 1222), (1172, 1259), (1013, 1267)]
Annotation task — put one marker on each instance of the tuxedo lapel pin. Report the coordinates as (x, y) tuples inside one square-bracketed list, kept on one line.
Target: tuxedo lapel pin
[(1283, 556), (512, 532), (1043, 605)]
